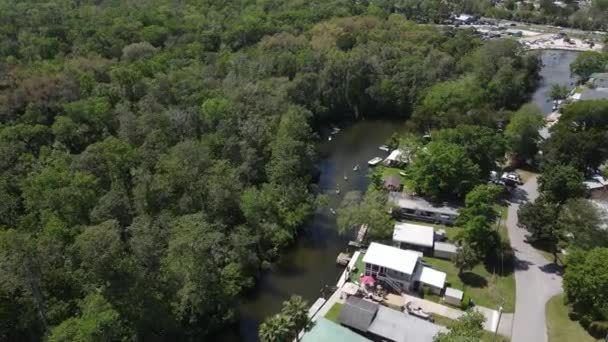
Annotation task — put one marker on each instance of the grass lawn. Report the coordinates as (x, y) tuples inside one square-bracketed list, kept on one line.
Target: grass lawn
[(334, 312), (486, 337), (354, 276), (487, 284), (559, 326), (485, 288)]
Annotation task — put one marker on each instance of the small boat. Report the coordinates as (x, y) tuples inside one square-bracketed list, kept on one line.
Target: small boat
[(329, 138), (384, 148), (337, 191), (375, 161), (332, 211), (403, 173), (335, 130), (356, 168), (345, 177)]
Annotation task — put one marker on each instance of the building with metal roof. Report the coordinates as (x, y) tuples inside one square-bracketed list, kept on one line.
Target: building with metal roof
[(417, 208), (326, 330), (393, 325), (415, 236)]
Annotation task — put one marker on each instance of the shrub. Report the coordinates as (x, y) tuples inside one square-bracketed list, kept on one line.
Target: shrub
[(465, 302), (573, 315), (598, 329), (585, 321)]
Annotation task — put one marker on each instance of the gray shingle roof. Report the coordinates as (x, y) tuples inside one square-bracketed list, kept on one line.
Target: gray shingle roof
[(358, 313), (400, 327)]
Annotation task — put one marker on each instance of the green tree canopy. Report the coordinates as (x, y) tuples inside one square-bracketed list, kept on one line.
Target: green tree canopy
[(522, 132), (443, 170), (97, 321), (468, 328), (586, 284), (588, 62), (561, 182)]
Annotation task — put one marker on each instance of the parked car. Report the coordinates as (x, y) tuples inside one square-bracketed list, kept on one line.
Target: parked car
[(417, 311)]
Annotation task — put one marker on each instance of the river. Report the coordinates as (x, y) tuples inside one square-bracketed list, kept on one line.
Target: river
[(556, 69), (309, 265)]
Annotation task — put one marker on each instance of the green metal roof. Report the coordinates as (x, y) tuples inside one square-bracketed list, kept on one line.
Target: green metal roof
[(326, 330)]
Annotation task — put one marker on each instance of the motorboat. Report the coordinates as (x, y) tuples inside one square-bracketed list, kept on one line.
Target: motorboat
[(374, 161)]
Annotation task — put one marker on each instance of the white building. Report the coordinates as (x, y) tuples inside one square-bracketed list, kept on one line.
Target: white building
[(444, 250), (432, 279), (413, 236), (391, 265)]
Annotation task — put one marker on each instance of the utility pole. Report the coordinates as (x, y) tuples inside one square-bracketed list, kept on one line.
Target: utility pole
[(500, 308)]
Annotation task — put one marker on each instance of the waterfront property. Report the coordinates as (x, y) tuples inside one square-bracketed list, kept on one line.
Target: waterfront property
[(419, 209), (381, 323), (393, 266), (397, 158), (414, 236), (400, 269), (326, 330)]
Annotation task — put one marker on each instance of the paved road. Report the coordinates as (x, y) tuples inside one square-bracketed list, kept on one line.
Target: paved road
[(537, 280)]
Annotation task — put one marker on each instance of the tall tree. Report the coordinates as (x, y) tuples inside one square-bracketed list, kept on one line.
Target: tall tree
[(539, 218), (466, 258), (468, 328), (522, 132), (586, 284), (588, 62), (583, 224), (481, 201), (97, 321), (443, 170), (561, 182), (372, 211)]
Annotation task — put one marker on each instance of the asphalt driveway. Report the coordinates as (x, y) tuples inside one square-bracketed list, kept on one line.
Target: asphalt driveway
[(536, 279)]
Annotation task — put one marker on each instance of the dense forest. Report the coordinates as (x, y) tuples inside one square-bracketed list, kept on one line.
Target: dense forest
[(157, 154)]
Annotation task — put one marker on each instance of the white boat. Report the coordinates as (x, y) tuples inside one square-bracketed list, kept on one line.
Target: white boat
[(356, 168), (335, 130), (332, 211), (375, 161), (337, 191), (329, 138), (384, 148)]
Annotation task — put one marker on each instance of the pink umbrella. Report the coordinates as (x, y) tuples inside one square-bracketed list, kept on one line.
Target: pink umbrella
[(367, 280)]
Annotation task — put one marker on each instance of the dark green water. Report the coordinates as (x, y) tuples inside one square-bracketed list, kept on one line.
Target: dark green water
[(309, 265)]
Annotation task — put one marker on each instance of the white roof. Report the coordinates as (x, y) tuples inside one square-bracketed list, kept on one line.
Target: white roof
[(445, 247), (432, 277), (593, 184), (391, 257), (414, 234), (463, 17), (394, 155), (454, 293)]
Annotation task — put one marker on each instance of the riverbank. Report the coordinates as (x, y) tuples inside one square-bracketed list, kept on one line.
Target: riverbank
[(308, 267)]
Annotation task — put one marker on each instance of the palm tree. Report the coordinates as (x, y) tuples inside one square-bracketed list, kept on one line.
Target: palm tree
[(296, 310), (275, 329)]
